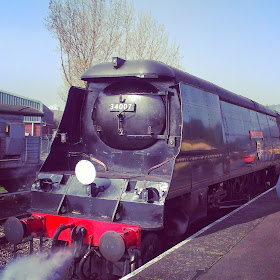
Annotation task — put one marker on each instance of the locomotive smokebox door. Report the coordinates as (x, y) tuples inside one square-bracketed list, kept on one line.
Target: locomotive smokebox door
[(126, 116)]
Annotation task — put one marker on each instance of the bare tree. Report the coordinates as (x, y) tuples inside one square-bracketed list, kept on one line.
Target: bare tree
[(150, 41), (92, 31)]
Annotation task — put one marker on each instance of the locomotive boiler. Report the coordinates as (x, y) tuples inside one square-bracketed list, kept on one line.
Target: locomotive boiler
[(142, 152)]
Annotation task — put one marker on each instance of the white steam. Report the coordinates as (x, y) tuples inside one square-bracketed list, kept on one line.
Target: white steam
[(42, 266)]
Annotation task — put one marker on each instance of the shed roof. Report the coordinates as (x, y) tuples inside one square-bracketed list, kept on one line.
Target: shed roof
[(19, 110)]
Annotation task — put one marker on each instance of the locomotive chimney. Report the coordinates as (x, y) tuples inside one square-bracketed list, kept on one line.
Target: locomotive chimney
[(118, 62)]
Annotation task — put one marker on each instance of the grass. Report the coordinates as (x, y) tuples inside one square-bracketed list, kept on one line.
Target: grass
[(2, 190)]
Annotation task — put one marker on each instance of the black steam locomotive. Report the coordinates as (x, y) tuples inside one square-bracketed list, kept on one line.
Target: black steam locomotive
[(140, 154)]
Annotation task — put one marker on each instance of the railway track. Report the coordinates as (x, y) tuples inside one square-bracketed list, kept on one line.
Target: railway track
[(7, 249)]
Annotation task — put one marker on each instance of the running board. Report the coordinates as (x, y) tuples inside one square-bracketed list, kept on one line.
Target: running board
[(232, 204)]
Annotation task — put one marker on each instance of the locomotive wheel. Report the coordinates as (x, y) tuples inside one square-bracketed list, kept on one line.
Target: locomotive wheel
[(150, 247), (272, 177), (236, 189), (176, 224), (240, 187), (263, 180), (244, 181), (273, 180), (255, 183)]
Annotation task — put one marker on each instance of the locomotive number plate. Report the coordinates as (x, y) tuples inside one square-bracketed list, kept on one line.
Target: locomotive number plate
[(117, 107)]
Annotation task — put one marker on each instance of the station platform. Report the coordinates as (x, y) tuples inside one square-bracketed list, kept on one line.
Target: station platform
[(245, 244)]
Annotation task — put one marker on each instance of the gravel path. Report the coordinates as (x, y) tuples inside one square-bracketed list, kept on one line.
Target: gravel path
[(14, 206)]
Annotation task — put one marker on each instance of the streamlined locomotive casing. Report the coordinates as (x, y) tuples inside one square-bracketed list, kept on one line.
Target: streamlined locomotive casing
[(159, 139), (116, 168), (180, 135)]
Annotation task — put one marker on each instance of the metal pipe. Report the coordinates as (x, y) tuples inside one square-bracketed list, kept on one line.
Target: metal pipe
[(61, 228), (11, 159), (80, 271)]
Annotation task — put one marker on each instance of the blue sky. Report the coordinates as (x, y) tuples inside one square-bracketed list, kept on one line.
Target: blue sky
[(233, 43)]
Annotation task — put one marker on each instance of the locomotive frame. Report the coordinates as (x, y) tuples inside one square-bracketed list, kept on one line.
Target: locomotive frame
[(180, 148)]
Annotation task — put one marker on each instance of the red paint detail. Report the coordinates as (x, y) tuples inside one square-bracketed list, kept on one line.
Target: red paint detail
[(37, 129), (129, 236), (33, 224), (255, 134), (94, 228), (28, 128), (249, 159)]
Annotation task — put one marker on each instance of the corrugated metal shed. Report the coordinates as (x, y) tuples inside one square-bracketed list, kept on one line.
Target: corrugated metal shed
[(19, 110), (9, 98), (33, 145)]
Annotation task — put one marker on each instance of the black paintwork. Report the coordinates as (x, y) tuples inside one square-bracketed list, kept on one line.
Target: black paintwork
[(185, 134), (149, 111), (134, 68), (162, 71)]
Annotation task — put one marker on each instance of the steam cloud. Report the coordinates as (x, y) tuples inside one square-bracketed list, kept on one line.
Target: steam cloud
[(42, 266)]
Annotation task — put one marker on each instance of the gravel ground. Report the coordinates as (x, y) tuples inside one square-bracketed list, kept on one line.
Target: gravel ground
[(14, 206), (6, 249)]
